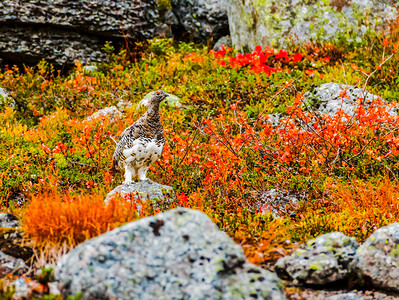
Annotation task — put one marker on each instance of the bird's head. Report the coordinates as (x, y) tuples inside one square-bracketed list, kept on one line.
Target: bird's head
[(158, 96)]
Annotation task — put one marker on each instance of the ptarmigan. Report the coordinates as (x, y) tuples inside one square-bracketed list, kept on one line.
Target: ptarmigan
[(141, 144)]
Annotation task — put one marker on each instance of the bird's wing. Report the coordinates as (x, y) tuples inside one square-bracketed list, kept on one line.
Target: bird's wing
[(126, 140)]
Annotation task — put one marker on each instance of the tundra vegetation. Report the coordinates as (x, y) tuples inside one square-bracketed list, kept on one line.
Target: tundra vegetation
[(221, 151)]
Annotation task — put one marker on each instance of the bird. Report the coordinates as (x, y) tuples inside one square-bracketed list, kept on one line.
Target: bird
[(142, 143)]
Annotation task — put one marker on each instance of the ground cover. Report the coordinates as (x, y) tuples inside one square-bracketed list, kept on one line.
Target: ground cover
[(220, 152)]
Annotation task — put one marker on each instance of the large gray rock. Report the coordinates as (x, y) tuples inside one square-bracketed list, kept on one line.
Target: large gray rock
[(322, 260), (179, 254), (273, 23), (202, 19), (62, 31), (377, 259)]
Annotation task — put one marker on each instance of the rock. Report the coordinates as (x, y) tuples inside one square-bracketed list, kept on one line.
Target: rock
[(322, 260), (278, 23), (111, 113), (331, 97), (8, 220), (123, 105), (171, 100), (223, 41), (90, 69), (62, 31), (179, 253), (376, 261), (345, 296), (328, 99), (143, 190), (11, 243), (22, 289), (202, 19), (5, 99), (10, 264), (278, 202)]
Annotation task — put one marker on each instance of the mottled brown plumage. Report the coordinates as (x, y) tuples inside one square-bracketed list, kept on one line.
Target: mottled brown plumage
[(141, 144)]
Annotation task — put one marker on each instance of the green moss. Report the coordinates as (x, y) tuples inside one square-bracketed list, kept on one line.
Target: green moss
[(395, 252), (164, 4)]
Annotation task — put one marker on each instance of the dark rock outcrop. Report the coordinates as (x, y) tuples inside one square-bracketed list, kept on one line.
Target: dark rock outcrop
[(61, 31)]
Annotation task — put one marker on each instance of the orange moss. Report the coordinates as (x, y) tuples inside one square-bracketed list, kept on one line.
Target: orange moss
[(51, 217)]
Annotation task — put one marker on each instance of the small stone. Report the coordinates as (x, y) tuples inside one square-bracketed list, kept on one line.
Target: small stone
[(111, 113), (143, 190)]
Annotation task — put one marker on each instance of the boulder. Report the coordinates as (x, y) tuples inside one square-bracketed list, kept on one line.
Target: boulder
[(142, 190), (178, 254), (321, 261), (62, 31), (377, 260), (276, 23), (202, 19)]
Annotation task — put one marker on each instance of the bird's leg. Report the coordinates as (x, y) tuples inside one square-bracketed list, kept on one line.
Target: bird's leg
[(142, 173), (129, 173)]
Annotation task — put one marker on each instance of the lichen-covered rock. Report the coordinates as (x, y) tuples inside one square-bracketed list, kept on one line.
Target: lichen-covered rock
[(202, 19), (274, 23), (111, 113), (5, 99), (143, 190), (331, 97), (179, 254), (62, 31), (322, 260), (377, 259)]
